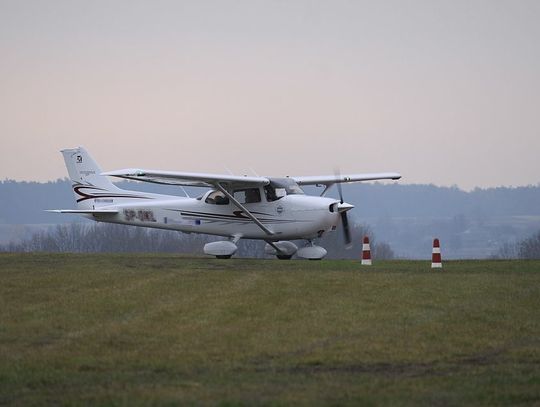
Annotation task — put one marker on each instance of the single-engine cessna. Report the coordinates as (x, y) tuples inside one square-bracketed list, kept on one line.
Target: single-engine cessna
[(275, 210)]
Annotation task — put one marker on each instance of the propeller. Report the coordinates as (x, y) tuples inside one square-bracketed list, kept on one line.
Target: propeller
[(343, 208)]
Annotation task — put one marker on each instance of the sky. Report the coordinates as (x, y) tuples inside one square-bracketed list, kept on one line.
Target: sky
[(444, 92)]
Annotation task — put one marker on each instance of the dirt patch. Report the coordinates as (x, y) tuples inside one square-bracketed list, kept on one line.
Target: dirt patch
[(385, 369), (405, 369)]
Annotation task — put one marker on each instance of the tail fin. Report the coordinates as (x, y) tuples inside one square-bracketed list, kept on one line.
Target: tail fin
[(82, 169), (85, 175)]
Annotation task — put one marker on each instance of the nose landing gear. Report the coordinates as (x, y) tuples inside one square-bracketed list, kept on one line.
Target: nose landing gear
[(312, 252), (283, 250)]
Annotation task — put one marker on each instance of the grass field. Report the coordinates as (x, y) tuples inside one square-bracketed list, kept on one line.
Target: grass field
[(166, 330)]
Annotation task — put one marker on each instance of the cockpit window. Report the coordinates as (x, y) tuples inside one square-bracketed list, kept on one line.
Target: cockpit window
[(294, 189), (270, 193), (279, 187), (247, 195), (217, 198)]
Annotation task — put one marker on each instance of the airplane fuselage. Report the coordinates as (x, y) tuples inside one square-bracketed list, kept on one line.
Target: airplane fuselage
[(291, 217)]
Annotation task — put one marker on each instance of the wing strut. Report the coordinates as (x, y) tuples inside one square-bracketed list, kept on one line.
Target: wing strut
[(243, 209), (326, 188)]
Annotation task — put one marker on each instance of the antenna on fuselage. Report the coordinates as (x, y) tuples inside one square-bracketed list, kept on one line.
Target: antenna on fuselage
[(253, 171)]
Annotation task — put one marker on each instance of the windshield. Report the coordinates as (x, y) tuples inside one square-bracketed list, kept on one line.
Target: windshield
[(279, 187)]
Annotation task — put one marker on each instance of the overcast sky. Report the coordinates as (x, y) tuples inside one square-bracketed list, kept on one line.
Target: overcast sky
[(445, 92)]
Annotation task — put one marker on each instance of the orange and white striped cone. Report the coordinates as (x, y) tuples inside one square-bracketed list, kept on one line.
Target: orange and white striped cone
[(436, 261), (366, 252)]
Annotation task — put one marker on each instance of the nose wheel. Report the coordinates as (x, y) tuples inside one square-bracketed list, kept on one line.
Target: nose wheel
[(283, 250), (312, 252)]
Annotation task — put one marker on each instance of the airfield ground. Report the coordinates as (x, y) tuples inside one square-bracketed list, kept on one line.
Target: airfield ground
[(164, 329)]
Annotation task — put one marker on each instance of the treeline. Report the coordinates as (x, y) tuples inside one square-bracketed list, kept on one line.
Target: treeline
[(471, 224), (111, 238), (528, 248), (24, 202)]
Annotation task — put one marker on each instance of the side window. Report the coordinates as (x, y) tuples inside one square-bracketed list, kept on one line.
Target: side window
[(273, 194), (248, 195), (217, 198)]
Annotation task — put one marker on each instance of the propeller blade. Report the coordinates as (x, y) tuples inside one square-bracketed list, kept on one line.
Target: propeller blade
[(346, 229), (340, 191), (343, 208)]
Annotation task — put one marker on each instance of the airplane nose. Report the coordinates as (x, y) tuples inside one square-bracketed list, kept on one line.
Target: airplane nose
[(344, 207)]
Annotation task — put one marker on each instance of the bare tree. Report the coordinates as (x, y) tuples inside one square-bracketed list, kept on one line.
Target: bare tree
[(383, 251), (530, 247), (507, 251), (105, 237)]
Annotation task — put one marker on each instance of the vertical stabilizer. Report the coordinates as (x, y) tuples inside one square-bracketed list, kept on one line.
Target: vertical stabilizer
[(87, 183), (82, 169)]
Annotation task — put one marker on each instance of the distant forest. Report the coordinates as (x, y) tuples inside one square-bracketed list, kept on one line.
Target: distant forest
[(475, 224)]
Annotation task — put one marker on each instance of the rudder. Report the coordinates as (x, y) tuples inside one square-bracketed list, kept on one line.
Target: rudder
[(82, 169), (87, 183), (95, 192)]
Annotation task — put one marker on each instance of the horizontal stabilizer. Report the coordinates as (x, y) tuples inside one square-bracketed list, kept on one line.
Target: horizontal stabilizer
[(85, 211)]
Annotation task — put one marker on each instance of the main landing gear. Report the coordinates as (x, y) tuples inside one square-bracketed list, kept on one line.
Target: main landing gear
[(223, 249), (283, 250)]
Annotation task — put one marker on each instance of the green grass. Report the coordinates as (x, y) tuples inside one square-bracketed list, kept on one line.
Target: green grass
[(166, 330)]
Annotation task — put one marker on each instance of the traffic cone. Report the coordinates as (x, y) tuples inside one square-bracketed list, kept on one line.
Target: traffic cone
[(436, 262), (366, 252)]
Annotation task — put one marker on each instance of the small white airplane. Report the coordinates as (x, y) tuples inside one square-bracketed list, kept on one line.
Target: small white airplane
[(275, 210)]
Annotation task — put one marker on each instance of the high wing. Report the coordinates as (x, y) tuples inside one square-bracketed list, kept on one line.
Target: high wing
[(211, 180), (187, 178), (337, 179)]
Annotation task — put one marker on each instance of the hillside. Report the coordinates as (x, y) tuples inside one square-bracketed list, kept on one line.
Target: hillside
[(470, 224)]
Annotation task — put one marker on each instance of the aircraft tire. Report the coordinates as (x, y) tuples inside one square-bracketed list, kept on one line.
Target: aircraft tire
[(282, 257), (228, 256)]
